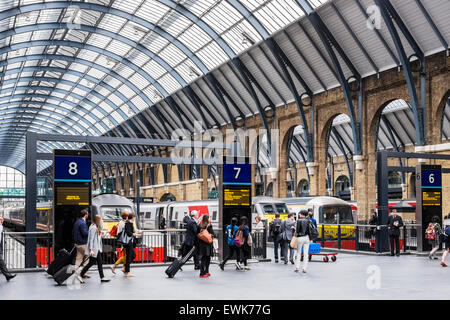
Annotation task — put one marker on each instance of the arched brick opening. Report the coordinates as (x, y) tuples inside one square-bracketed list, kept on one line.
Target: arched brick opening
[(440, 113)]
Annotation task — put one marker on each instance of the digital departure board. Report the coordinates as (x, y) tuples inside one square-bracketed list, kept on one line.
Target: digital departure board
[(236, 197), (67, 196), (431, 198)]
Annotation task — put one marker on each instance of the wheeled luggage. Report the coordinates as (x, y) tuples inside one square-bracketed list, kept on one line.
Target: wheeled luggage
[(65, 272), (63, 258), (175, 266)]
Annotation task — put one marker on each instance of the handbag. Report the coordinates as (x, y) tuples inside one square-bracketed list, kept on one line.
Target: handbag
[(249, 239), (124, 239), (205, 236), (294, 241)]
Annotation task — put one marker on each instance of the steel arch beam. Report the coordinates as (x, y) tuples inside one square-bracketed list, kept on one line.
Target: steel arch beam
[(108, 10), (389, 14), (97, 30), (90, 64)]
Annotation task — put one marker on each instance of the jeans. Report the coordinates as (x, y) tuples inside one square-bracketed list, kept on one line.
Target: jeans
[(302, 242), (3, 268), (284, 250), (92, 261), (231, 251), (276, 243)]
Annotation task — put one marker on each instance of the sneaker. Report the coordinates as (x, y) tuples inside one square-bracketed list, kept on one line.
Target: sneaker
[(203, 276), (276, 260), (443, 264), (208, 274)]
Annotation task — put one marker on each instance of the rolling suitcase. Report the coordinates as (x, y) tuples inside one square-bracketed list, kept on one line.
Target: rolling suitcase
[(175, 266), (63, 258), (65, 272)]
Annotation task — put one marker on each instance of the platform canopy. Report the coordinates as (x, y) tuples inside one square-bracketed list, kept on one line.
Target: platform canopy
[(143, 68)]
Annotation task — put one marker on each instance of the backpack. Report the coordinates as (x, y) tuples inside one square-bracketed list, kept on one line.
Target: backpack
[(430, 233), (276, 228), (113, 232), (239, 239), (312, 231)]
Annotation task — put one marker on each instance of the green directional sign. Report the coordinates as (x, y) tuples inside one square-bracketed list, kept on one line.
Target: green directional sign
[(12, 192)]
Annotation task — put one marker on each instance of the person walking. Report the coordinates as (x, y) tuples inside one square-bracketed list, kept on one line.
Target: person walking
[(230, 232), (432, 234), (191, 239), (120, 228), (394, 224), (205, 249), (287, 231), (302, 230), (94, 249), (129, 247), (3, 269), (80, 237), (275, 234), (311, 217), (446, 236), (244, 249)]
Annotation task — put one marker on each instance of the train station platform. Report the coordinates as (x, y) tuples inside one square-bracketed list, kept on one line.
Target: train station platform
[(351, 277)]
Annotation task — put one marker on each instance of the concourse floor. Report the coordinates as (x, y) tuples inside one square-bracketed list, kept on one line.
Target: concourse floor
[(350, 277)]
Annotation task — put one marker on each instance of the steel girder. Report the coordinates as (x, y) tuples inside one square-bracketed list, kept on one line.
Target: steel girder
[(284, 63), (90, 64), (112, 11), (331, 44), (390, 15), (341, 147)]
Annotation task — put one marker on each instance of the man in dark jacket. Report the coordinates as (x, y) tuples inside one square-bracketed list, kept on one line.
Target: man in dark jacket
[(394, 224), (275, 234), (3, 268), (80, 234), (191, 238)]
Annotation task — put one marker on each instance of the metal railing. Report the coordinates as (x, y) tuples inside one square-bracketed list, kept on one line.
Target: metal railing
[(154, 246), (364, 237), (13, 245)]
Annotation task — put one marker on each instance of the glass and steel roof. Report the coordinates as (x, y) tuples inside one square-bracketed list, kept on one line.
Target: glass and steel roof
[(140, 67)]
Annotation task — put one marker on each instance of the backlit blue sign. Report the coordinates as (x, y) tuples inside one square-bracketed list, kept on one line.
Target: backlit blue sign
[(72, 169), (431, 178), (237, 173)]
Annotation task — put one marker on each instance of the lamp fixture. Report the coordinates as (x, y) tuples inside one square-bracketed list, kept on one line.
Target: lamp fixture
[(246, 39)]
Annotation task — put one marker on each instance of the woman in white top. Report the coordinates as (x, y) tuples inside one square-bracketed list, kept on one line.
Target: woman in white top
[(123, 258), (94, 249)]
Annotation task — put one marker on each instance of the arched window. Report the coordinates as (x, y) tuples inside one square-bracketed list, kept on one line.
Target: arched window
[(269, 190), (303, 188), (342, 187), (394, 180)]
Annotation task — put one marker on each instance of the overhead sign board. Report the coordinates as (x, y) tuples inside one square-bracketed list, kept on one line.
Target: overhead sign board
[(72, 168)]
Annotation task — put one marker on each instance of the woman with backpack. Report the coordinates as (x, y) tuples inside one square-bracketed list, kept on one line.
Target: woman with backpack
[(432, 234), (230, 233), (205, 245), (241, 240)]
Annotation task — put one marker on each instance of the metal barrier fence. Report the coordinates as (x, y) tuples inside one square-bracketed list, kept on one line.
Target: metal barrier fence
[(152, 247), (363, 237), (13, 245)]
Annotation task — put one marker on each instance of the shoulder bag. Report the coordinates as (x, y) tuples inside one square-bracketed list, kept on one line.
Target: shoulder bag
[(124, 239), (294, 241), (205, 236)]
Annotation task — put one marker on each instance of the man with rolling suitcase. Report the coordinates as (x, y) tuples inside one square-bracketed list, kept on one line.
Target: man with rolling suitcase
[(8, 275)]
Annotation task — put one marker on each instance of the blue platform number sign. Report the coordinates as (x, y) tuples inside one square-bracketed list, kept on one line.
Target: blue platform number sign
[(237, 174), (72, 169), (431, 178)]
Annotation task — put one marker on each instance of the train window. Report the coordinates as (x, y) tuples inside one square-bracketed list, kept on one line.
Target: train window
[(214, 216), (281, 208), (176, 215), (171, 214), (328, 215), (148, 215), (112, 213), (345, 215), (268, 208)]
